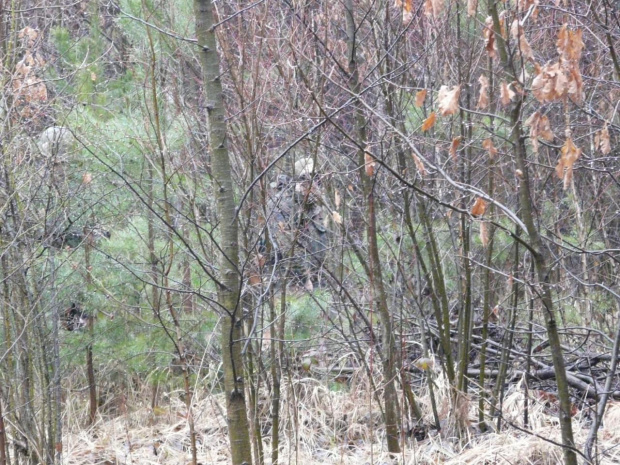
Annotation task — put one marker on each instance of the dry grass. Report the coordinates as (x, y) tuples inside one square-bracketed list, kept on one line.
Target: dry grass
[(320, 426)]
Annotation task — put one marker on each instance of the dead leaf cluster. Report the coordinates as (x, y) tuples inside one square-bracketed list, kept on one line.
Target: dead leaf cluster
[(561, 79), (489, 38), (29, 91), (407, 9), (487, 144), (506, 93), (601, 140), (483, 100), (539, 128), (369, 164), (570, 153), (570, 44), (433, 8), (517, 32)]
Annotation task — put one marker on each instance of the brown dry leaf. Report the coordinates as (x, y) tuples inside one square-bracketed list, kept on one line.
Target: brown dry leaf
[(524, 5), (407, 10), (472, 6), (570, 43), (418, 163), (336, 217), (255, 279), (433, 7), (487, 144), (575, 84), (484, 234), (29, 35), (539, 128), (602, 140), (483, 100), (489, 38), (369, 164), (448, 100), (550, 83), (502, 24), (28, 90), (564, 168), (480, 206), (420, 96), (517, 33), (453, 146), (429, 122), (506, 93)]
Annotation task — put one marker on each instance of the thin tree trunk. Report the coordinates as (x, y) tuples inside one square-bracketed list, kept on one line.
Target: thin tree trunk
[(56, 407), (542, 270), (602, 403), (536, 248), (90, 369), (379, 296), (229, 286), (3, 450)]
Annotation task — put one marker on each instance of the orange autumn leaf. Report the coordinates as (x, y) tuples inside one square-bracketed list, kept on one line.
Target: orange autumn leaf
[(575, 84), (487, 144), (550, 83), (517, 33), (524, 5), (489, 38), (407, 11), (484, 234), (601, 140), (506, 93), (418, 163), (483, 100), (255, 279), (429, 122), (570, 43), (480, 206), (433, 8), (369, 164), (454, 145), (570, 153), (539, 128), (420, 96)]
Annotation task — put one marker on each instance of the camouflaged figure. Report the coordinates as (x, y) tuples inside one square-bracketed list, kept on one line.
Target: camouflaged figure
[(296, 226)]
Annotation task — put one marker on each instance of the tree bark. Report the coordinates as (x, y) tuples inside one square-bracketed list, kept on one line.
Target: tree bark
[(536, 248), (229, 285), (379, 296)]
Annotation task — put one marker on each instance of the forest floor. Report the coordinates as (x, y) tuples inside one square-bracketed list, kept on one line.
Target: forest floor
[(326, 427)]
